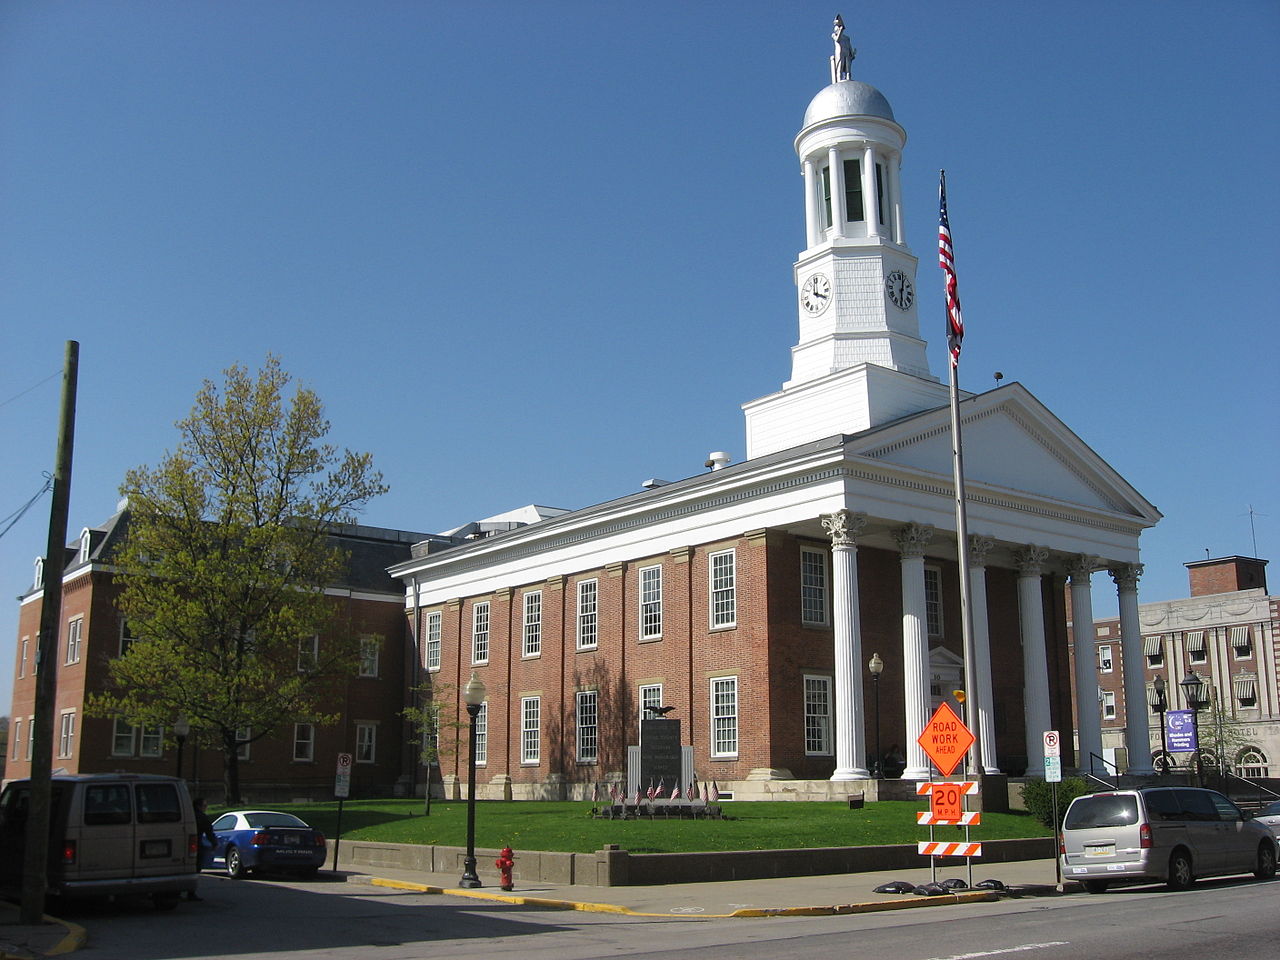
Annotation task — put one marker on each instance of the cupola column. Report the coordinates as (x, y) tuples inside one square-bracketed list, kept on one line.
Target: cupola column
[(870, 195), (812, 189), (893, 167), (839, 217)]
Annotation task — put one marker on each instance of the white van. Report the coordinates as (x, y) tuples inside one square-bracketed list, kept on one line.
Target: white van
[(110, 834), (1173, 834)]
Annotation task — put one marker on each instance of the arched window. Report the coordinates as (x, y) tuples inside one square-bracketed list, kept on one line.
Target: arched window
[(1163, 761), (1251, 763), (86, 541)]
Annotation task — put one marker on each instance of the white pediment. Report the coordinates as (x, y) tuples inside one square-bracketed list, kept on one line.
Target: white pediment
[(1013, 441)]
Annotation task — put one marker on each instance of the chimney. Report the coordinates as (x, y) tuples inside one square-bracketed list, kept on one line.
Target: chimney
[(717, 460), (1226, 575)]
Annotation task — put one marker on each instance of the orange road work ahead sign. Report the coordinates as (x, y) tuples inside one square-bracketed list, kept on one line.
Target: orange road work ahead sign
[(945, 739)]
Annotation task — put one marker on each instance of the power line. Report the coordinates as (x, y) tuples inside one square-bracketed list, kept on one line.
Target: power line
[(21, 511), (30, 388)]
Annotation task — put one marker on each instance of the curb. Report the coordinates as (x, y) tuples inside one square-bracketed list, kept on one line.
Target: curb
[(904, 903), (73, 939)]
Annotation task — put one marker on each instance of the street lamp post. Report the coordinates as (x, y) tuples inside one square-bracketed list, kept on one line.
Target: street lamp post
[(473, 697), (1161, 706), (181, 730), (1191, 686), (876, 666)]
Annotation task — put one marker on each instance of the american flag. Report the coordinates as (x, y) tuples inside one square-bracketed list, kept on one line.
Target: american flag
[(715, 792), (675, 790), (614, 792), (639, 795), (693, 788), (595, 792), (706, 792), (946, 260)]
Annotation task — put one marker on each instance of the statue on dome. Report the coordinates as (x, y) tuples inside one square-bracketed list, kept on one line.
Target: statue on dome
[(842, 59)]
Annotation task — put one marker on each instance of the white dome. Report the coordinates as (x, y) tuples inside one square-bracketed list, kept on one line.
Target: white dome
[(848, 98)]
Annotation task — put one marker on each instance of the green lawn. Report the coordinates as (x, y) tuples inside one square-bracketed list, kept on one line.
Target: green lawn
[(531, 825)]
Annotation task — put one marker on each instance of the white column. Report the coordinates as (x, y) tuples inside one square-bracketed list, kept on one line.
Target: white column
[(812, 222), (851, 750), (1137, 732), (893, 166), (839, 219), (911, 541), (870, 199), (1035, 670), (1088, 711), (982, 698)]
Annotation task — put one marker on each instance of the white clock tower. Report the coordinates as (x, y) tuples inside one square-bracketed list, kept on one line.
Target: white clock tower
[(859, 360)]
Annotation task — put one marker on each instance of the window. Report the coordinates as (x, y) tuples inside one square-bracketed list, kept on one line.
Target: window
[(107, 804), (933, 600), (826, 209), (650, 602), (817, 716), (1251, 763), (244, 735), (22, 661), (67, 733), (308, 654), (853, 191), (123, 738), (532, 624), (1246, 690), (304, 742), (480, 633), (86, 543), (31, 735), (1195, 647), (158, 803), (150, 741), (431, 648), (650, 696), (1108, 705), (588, 727), (1241, 644), (366, 742), (588, 614), (37, 581), (369, 649), (1104, 658), (813, 587), (1153, 650), (75, 631), (482, 734), (530, 729), (724, 595), (724, 717), (17, 736)]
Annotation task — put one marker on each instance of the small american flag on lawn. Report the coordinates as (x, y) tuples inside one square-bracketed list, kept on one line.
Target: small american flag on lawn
[(946, 260), (675, 790), (715, 792), (693, 788), (595, 792), (639, 795), (614, 793), (706, 792)]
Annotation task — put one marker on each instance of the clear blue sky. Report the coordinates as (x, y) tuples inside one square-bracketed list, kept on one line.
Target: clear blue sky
[(540, 252)]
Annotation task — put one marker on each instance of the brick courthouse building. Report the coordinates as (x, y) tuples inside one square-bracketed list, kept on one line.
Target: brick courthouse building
[(750, 598)]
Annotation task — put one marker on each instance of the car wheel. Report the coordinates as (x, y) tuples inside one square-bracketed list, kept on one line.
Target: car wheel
[(1094, 886), (235, 865), (1266, 868), (1180, 875)]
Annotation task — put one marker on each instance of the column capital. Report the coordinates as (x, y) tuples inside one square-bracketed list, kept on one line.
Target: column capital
[(843, 526), (1126, 576), (980, 545), (913, 538), (1081, 566), (1030, 560)]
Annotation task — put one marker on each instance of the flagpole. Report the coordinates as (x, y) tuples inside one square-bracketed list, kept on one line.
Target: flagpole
[(955, 335)]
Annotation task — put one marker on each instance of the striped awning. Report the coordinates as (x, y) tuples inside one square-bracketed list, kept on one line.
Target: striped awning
[(1246, 689), (1153, 698), (1195, 641), (1240, 638), (1151, 645)]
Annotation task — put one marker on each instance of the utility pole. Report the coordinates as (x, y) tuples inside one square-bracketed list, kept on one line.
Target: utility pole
[(35, 874)]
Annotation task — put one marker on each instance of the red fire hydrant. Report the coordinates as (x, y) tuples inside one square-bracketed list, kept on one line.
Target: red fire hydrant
[(505, 862)]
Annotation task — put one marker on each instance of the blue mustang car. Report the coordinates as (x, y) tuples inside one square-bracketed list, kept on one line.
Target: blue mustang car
[(267, 840)]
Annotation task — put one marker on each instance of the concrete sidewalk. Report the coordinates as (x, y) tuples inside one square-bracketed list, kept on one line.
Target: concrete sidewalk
[(786, 896)]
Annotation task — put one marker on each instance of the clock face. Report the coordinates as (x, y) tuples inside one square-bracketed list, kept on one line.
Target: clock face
[(815, 294), (901, 293)]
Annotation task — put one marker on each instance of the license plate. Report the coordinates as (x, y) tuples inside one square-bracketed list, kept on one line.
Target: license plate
[(155, 848), (290, 838), (1101, 850)]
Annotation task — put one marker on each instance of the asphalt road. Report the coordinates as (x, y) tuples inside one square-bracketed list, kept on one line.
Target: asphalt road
[(279, 919)]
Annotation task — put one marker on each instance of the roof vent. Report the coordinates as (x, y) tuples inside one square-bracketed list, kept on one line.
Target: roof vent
[(653, 483), (717, 460)]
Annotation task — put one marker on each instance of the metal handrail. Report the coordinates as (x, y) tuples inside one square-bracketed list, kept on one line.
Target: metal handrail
[(1252, 783), (1107, 766)]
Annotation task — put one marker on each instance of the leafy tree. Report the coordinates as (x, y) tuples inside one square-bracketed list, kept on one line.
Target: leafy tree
[(435, 712), (224, 564)]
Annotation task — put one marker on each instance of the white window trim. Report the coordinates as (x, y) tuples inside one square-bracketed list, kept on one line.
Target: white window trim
[(150, 741), (66, 734), (120, 730), (26, 652), (717, 717), (531, 632), (479, 609), (308, 653), (75, 639), (431, 646), (826, 682), (482, 735), (593, 698), (370, 657), (640, 696), (729, 593), (16, 728), (86, 544), (31, 736), (1109, 705), (941, 615), (1106, 662), (366, 735), (530, 746), (244, 742), (654, 600), (309, 742), (585, 616), (824, 591)]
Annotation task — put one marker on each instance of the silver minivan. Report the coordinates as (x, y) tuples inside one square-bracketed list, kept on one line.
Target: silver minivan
[(1173, 834), (110, 834)]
